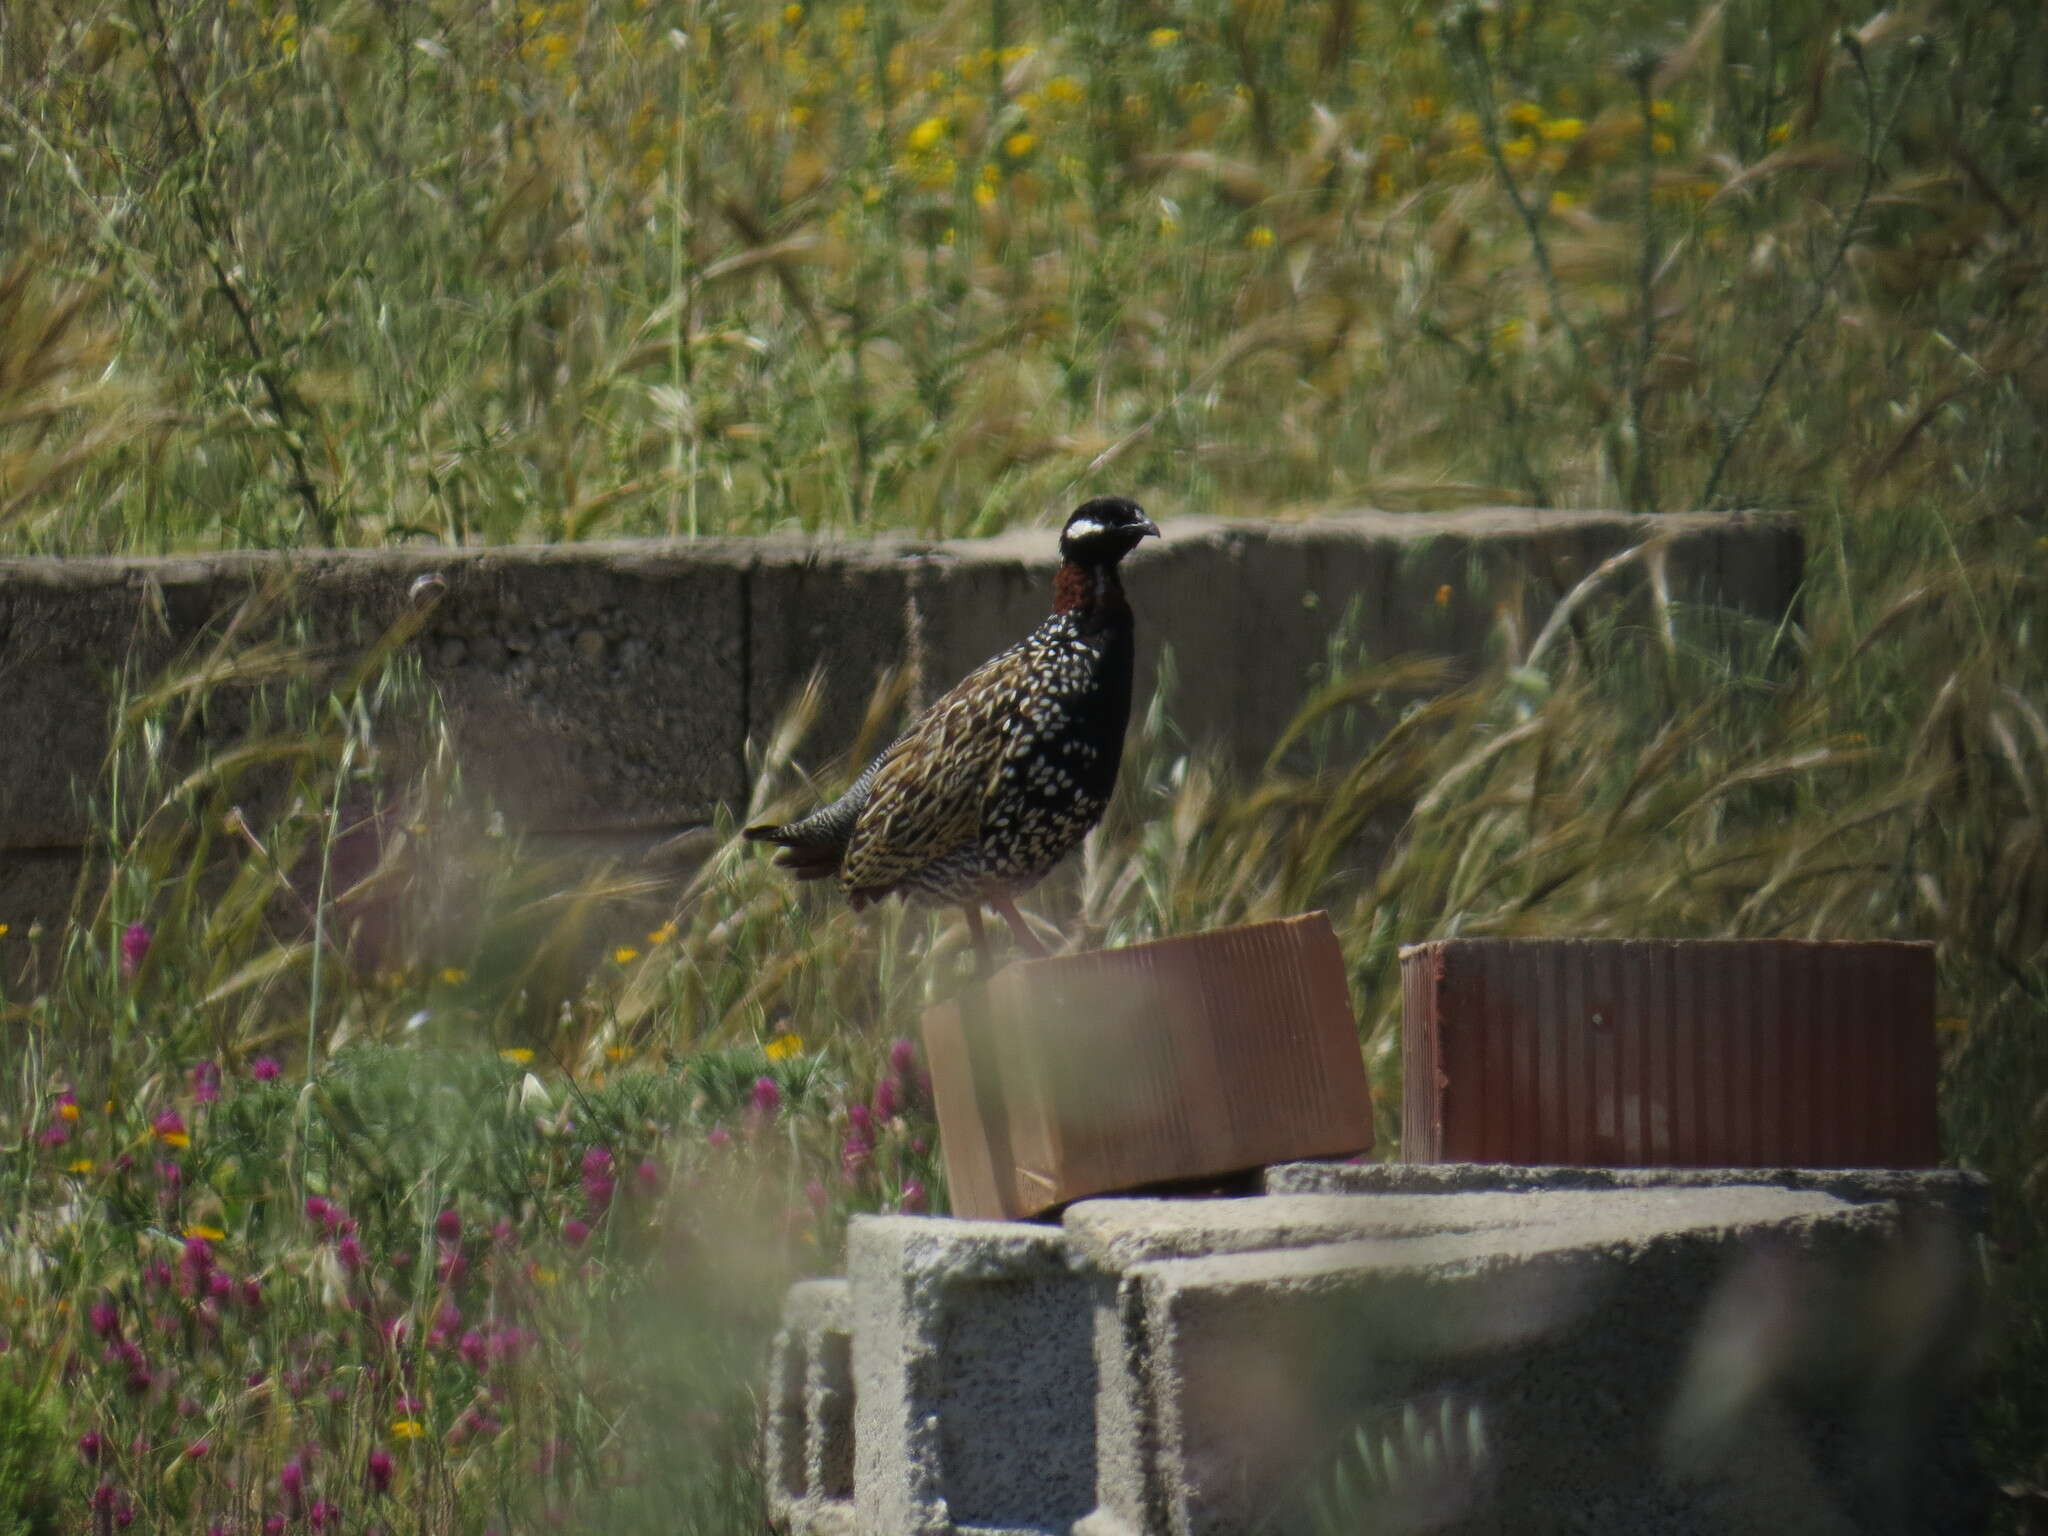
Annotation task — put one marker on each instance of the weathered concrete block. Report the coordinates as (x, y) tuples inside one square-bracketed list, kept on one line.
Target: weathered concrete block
[(807, 1419), (1605, 1351), (1696, 1354), (974, 1377)]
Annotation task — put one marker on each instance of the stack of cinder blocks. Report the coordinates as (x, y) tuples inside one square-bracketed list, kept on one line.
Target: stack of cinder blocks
[(1461, 1347)]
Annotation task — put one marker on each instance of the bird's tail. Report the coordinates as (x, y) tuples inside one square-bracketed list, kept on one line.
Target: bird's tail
[(802, 857), (814, 846)]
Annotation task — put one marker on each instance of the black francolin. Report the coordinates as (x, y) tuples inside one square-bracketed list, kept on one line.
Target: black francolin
[(1002, 778)]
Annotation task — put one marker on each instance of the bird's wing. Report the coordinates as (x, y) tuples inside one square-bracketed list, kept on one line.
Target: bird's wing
[(930, 787)]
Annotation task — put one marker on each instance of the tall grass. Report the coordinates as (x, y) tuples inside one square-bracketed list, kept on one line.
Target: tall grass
[(360, 273), (286, 274)]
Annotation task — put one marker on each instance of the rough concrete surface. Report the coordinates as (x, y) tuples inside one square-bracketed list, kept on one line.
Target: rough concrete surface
[(1690, 1355), (1967, 1195), (807, 1416), (608, 691)]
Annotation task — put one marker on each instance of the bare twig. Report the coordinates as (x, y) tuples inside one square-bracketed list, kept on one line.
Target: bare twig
[(1642, 493), (217, 234), (1531, 215), (1876, 124)]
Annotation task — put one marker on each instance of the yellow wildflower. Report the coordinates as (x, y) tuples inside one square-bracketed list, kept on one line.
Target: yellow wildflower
[(625, 954), (1018, 144), (784, 1046), (1518, 151), (211, 1234), (67, 1111), (518, 1055), (1165, 37), (662, 934), (543, 1276), (1524, 114), (1506, 334), (800, 114), (1443, 595), (1260, 238), (1465, 125), (1562, 130), (1064, 89), (1422, 107), (1563, 200), (1662, 144), (453, 976), (407, 1429), (177, 1139), (793, 14), (83, 1165), (1660, 110), (1781, 133), (985, 186), (3, 930), (618, 1053), (927, 133)]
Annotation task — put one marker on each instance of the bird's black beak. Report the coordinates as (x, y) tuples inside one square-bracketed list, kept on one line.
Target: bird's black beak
[(1145, 525)]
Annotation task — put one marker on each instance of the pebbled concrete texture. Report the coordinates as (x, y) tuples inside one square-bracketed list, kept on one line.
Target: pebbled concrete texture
[(1689, 1356), (604, 694)]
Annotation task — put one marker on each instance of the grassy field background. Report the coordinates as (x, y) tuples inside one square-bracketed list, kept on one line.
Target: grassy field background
[(429, 1238)]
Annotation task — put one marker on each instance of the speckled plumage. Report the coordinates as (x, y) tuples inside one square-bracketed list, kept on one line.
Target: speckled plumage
[(1000, 779)]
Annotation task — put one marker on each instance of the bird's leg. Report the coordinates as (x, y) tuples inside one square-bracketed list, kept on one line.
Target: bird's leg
[(984, 964), (1028, 940)]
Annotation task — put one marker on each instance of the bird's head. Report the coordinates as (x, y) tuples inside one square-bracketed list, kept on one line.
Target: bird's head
[(1104, 530)]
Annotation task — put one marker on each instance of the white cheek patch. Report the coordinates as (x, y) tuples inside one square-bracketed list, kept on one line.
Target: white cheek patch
[(1085, 528)]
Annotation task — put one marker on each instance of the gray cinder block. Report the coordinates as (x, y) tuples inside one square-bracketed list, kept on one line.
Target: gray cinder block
[(1557, 1343), (807, 1418), (1582, 1350), (974, 1377)]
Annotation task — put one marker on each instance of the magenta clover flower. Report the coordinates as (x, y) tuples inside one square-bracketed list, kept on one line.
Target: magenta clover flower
[(135, 942)]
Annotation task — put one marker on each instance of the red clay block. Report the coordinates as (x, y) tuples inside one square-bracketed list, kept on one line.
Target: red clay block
[(1736, 1053), (1188, 1058)]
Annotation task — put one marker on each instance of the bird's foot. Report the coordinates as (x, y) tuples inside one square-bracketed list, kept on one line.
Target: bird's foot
[(1020, 927)]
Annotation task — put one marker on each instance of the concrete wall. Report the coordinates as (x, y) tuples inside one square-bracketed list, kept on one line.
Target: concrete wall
[(610, 690)]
